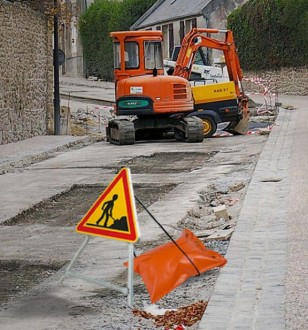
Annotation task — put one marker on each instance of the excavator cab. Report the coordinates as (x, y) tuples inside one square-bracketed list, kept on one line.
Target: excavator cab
[(142, 89), (137, 53)]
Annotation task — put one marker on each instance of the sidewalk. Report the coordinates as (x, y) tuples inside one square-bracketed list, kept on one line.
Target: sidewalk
[(26, 152), (264, 284), (101, 92)]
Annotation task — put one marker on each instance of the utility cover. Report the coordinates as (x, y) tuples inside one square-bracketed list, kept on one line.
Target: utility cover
[(113, 215)]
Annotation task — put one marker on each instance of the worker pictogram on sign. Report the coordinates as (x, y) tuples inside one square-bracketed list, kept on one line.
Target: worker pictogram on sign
[(113, 214)]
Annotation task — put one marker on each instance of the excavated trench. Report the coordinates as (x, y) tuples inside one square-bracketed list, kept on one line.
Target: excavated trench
[(63, 210), (66, 210), (18, 276), (167, 162)]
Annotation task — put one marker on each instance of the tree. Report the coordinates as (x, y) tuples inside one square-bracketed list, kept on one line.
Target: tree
[(101, 18), (269, 33), (295, 17), (135, 9), (95, 25)]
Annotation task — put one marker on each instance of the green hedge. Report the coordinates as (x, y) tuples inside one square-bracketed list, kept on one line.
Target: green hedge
[(271, 34), (101, 18)]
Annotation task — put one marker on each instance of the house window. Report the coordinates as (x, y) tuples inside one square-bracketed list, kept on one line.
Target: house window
[(73, 39), (168, 40), (190, 24)]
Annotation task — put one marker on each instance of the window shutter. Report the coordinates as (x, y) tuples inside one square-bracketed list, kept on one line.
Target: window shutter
[(171, 39), (194, 22), (182, 30)]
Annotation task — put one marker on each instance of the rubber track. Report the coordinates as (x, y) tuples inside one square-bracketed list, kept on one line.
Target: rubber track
[(194, 130), (122, 132)]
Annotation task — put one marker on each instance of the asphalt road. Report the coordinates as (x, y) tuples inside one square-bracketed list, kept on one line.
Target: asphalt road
[(231, 161)]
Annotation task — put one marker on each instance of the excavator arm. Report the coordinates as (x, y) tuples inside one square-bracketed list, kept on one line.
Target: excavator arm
[(200, 37), (197, 38)]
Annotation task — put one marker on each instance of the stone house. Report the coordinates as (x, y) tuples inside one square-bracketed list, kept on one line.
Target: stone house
[(26, 70), (176, 17), (69, 40)]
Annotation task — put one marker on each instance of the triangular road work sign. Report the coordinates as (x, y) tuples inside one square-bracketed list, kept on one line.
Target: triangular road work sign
[(113, 214)]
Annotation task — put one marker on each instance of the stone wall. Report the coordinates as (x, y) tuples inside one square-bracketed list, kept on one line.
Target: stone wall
[(26, 72), (285, 81)]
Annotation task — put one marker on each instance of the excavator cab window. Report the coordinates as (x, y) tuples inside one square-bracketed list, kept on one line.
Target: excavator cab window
[(131, 50), (116, 55), (153, 55), (131, 55)]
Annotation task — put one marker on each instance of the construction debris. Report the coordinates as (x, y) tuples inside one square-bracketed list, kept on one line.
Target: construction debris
[(231, 201), (220, 235), (264, 131), (184, 316), (237, 186), (288, 107), (221, 212)]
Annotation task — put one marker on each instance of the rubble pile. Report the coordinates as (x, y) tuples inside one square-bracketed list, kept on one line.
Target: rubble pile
[(90, 120), (213, 213), (176, 319)]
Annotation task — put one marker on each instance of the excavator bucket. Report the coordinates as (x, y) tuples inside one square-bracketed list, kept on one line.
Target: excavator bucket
[(240, 127), (166, 267)]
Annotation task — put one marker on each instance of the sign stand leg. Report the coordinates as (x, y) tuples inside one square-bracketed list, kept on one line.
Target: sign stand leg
[(130, 281), (130, 286), (72, 263)]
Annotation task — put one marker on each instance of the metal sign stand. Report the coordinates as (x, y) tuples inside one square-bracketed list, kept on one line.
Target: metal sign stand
[(130, 279), (129, 290)]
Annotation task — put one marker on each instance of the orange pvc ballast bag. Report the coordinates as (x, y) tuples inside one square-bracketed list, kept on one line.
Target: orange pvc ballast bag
[(166, 267)]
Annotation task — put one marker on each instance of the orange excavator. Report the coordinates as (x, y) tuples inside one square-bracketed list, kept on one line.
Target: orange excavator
[(151, 104)]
